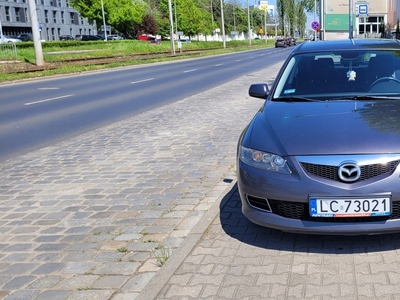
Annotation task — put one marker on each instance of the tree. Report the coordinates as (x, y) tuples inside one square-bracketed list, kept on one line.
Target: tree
[(292, 14), (122, 15), (163, 25), (301, 18), (148, 26), (191, 17)]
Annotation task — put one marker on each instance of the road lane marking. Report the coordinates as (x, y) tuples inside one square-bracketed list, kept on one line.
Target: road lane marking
[(190, 71), (144, 80), (49, 88), (238, 60), (218, 65), (50, 99)]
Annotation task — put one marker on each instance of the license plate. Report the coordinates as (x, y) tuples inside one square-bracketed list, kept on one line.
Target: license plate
[(350, 207)]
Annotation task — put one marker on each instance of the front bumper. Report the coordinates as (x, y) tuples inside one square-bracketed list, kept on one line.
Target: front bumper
[(297, 187)]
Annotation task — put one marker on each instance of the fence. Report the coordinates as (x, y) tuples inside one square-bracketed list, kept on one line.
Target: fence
[(8, 51)]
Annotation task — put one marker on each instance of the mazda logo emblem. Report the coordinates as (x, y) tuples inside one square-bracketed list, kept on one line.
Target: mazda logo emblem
[(349, 172)]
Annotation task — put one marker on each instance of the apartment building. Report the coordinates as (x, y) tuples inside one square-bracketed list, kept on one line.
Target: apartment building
[(55, 17)]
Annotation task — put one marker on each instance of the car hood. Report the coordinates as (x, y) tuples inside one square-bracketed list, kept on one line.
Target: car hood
[(323, 128)]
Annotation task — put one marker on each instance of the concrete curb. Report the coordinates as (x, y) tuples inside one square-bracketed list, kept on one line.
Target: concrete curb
[(159, 280)]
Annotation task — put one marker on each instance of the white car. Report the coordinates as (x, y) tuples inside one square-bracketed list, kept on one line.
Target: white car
[(7, 39), (114, 37)]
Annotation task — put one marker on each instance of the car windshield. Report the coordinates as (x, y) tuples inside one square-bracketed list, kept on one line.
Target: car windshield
[(347, 74)]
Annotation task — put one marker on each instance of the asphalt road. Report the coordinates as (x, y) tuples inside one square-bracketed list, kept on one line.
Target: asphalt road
[(38, 113)]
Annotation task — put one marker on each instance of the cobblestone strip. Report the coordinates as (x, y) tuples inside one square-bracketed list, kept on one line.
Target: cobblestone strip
[(93, 217)]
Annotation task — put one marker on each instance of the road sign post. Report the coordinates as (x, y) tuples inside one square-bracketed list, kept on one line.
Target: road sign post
[(315, 26)]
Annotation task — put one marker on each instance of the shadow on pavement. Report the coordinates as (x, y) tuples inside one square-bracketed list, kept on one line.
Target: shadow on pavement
[(236, 225)]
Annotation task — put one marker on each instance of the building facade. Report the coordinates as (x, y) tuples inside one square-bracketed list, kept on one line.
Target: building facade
[(55, 17), (367, 18)]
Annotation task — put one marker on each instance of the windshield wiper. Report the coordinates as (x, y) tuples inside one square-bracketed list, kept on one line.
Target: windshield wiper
[(296, 99), (366, 97)]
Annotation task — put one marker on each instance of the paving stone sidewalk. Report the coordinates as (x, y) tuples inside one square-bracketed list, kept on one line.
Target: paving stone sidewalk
[(92, 217), (235, 259)]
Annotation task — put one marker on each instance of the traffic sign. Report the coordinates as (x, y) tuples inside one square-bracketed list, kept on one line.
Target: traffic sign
[(315, 25), (363, 9)]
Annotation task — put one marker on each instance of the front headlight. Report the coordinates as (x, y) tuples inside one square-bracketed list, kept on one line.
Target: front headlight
[(263, 160)]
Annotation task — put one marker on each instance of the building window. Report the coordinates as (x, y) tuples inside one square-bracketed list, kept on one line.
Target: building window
[(67, 3), (54, 17), (59, 3), (42, 2), (16, 14), (8, 18), (26, 15), (62, 17), (71, 16), (46, 16)]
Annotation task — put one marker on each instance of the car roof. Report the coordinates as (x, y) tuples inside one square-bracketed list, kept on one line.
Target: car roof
[(349, 44)]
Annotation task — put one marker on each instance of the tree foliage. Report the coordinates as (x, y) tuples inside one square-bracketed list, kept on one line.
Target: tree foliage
[(122, 15), (148, 26), (292, 15), (192, 17)]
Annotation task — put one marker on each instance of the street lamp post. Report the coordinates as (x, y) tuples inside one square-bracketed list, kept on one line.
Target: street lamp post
[(223, 24), (315, 16), (171, 28), (248, 22), (104, 20), (35, 33), (176, 22), (351, 19), (265, 24)]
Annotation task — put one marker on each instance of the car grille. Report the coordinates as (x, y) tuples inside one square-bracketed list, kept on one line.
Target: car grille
[(300, 211), (367, 171)]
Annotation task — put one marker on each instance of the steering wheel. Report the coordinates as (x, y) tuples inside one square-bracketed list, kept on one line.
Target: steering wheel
[(383, 79)]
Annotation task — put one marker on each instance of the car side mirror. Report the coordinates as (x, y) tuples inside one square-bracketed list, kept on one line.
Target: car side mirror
[(259, 90)]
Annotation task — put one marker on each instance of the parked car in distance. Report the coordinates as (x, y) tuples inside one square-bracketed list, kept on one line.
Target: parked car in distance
[(146, 37), (280, 42), (8, 39), (114, 37), (78, 37), (66, 37), (322, 154), (25, 37), (291, 41), (155, 41), (88, 37)]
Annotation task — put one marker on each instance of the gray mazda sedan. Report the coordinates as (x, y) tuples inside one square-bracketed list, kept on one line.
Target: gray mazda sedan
[(322, 154)]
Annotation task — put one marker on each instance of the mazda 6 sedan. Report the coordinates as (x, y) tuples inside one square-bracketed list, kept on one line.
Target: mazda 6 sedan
[(322, 154)]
